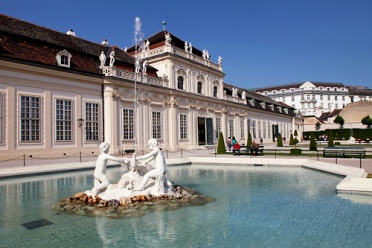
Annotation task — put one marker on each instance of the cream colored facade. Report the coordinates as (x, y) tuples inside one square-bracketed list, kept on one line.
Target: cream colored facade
[(54, 112)]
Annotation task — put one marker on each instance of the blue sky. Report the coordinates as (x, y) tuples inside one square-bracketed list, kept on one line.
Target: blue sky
[(262, 42)]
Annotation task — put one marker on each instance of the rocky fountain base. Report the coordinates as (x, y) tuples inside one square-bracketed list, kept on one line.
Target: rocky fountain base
[(131, 207)]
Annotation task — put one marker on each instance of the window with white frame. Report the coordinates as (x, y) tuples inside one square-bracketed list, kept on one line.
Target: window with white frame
[(183, 126), (218, 127), (63, 120), (30, 118), (91, 121), (242, 129), (249, 125), (156, 125), (264, 130), (215, 91), (259, 129), (63, 58), (231, 128), (180, 82), (268, 130), (254, 129), (1, 117), (200, 87), (128, 124)]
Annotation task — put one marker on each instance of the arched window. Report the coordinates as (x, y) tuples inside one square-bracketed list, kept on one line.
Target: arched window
[(215, 91), (180, 83), (200, 87)]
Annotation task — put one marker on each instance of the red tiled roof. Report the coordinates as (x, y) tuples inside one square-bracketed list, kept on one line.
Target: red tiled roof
[(25, 42)]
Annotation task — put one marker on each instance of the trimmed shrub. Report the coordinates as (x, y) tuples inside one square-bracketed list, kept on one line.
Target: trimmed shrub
[(279, 142), (249, 140), (330, 140), (337, 143), (291, 140), (221, 149), (313, 146)]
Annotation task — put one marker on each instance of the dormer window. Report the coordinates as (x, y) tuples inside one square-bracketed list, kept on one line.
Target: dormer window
[(252, 102), (280, 109), (285, 110), (63, 58), (263, 105)]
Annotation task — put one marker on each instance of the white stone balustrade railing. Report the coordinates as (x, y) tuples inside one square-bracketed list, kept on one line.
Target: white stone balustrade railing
[(115, 72)]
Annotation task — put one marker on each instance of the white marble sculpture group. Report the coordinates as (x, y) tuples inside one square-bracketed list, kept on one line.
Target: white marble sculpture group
[(144, 175)]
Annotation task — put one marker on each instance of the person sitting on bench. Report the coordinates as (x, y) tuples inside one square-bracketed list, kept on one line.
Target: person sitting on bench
[(236, 148), (254, 148)]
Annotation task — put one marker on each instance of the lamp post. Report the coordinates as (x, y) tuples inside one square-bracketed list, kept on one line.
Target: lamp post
[(80, 122)]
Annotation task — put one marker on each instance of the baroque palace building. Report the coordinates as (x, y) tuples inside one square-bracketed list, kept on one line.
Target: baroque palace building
[(316, 98), (61, 94)]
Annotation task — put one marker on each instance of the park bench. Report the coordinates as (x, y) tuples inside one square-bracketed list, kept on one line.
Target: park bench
[(343, 151), (248, 150)]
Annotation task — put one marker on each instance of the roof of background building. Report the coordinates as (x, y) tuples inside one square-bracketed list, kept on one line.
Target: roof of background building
[(297, 85), (354, 112), (359, 90)]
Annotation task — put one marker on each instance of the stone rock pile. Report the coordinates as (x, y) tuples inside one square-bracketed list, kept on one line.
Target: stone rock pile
[(129, 207)]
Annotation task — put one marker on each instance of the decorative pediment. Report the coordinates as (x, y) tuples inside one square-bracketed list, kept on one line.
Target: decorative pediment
[(200, 77), (181, 72)]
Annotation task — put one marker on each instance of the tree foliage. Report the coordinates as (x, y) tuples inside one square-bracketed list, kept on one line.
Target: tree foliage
[(339, 120), (291, 140), (317, 125), (367, 121), (221, 149), (295, 133)]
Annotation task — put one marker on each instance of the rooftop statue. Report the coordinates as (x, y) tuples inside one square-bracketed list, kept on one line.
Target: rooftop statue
[(168, 39), (102, 58), (112, 58)]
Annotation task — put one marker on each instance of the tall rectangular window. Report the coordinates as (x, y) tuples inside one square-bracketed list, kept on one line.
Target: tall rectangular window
[(259, 129), (63, 120), (156, 125), (91, 121), (128, 124), (249, 125), (183, 126), (218, 127), (231, 128), (1, 117), (30, 118), (268, 130), (254, 129), (242, 129), (264, 129)]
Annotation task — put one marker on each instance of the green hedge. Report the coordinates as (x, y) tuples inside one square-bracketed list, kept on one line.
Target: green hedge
[(296, 151), (339, 134)]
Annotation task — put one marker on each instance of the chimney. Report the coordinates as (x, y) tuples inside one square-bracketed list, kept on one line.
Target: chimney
[(71, 32), (105, 42)]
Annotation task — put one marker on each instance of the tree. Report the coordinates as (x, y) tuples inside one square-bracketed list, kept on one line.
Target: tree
[(317, 125), (295, 133), (367, 121), (221, 149), (249, 140), (279, 142), (291, 140), (313, 146), (330, 140), (339, 120)]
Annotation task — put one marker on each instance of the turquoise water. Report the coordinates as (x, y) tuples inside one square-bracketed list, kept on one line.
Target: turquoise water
[(255, 207)]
